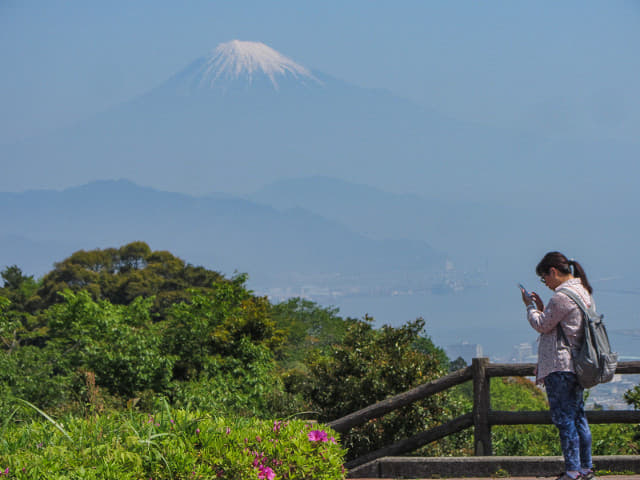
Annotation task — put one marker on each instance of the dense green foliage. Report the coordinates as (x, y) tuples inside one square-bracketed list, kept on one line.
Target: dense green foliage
[(309, 327), (118, 330), (370, 365), (167, 444), (520, 394)]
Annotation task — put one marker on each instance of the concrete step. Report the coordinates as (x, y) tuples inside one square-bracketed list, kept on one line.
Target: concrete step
[(457, 467)]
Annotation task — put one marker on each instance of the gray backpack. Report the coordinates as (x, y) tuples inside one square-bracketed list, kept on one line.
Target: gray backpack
[(593, 360)]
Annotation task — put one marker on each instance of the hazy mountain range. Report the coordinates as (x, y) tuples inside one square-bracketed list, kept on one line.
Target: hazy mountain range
[(222, 232)]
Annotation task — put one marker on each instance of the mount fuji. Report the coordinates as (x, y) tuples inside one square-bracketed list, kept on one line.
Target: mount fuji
[(246, 115)]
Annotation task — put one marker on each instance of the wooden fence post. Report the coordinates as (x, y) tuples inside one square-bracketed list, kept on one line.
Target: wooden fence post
[(481, 406)]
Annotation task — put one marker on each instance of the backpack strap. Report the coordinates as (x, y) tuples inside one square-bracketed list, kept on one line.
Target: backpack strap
[(578, 301), (576, 298)]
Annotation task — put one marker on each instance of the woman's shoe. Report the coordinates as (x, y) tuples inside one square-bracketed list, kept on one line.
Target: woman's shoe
[(566, 476)]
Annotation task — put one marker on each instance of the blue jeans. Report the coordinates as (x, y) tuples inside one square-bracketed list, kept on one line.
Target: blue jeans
[(566, 402)]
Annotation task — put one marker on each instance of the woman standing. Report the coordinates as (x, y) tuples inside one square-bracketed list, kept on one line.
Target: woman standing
[(555, 364)]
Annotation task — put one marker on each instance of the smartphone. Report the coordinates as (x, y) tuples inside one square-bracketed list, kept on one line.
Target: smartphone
[(526, 292)]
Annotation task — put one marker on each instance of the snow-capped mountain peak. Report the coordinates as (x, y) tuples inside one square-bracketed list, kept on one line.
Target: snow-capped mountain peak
[(246, 62)]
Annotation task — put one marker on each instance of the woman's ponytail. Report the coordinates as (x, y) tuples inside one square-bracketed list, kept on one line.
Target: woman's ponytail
[(578, 272)]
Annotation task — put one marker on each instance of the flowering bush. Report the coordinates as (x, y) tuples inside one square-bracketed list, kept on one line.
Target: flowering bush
[(168, 445)]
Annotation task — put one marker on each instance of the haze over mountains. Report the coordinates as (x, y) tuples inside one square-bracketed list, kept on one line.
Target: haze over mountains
[(312, 168), (222, 232), (247, 115)]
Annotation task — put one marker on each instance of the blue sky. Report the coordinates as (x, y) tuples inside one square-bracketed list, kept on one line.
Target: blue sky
[(568, 68)]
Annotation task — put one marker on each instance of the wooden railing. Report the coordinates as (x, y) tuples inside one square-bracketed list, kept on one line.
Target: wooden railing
[(481, 418)]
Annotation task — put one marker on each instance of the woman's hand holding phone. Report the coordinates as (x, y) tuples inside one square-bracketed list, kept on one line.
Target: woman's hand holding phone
[(538, 301), (529, 298)]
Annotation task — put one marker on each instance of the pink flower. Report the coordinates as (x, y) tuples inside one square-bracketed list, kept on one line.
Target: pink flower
[(227, 431), (266, 472), (197, 431), (317, 436)]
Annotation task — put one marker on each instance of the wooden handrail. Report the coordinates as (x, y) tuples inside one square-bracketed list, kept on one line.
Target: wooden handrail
[(393, 403), (409, 444), (628, 367), (481, 417), (511, 369)]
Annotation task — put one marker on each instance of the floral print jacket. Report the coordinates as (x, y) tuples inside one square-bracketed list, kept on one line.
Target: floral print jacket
[(554, 355)]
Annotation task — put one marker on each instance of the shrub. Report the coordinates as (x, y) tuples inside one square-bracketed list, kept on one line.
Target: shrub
[(233, 386), (168, 444), (120, 343), (368, 366)]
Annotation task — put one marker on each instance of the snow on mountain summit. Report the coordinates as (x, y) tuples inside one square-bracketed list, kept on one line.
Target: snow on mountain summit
[(247, 63), (236, 57)]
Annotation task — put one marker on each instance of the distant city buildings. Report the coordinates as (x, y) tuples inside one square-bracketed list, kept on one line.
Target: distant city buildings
[(465, 350), (610, 396), (524, 353)]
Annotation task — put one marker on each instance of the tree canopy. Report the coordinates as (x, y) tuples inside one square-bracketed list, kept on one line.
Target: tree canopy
[(123, 274)]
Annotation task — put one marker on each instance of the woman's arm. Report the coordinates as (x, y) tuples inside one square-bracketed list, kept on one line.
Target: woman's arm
[(557, 309)]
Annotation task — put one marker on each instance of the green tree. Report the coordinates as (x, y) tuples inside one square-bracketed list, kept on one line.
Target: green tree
[(19, 288), (222, 341), (20, 326), (120, 344), (368, 366), (308, 326), (457, 364), (216, 323), (121, 275), (209, 342), (38, 375)]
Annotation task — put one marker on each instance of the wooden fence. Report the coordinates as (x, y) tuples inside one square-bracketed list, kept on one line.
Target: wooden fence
[(481, 418)]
